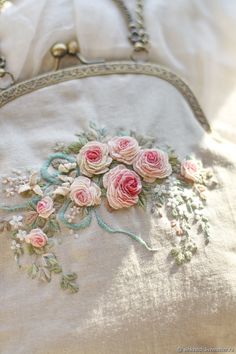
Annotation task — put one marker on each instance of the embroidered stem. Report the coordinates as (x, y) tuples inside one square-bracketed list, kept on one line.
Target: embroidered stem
[(86, 221), (111, 230), (52, 177), (20, 207)]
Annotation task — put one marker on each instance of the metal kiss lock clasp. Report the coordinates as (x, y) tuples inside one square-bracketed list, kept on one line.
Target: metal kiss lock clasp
[(5, 74), (59, 50)]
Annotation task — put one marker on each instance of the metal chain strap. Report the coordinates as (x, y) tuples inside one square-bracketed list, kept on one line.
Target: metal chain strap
[(138, 35)]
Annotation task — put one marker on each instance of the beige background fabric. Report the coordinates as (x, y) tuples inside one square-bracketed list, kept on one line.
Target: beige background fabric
[(194, 38), (130, 301)]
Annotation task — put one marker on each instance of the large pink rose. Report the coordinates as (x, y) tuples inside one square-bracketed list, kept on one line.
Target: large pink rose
[(152, 164), (123, 187), (84, 192), (190, 169), (45, 207), (94, 159), (36, 238), (123, 149)]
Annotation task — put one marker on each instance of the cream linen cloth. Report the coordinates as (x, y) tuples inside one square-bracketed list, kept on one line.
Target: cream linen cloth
[(130, 301), (194, 38)]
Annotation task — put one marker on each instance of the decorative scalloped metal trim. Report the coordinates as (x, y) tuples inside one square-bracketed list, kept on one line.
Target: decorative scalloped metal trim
[(109, 68)]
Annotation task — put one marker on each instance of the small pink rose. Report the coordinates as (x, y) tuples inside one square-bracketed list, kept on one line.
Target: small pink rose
[(190, 169), (45, 207), (94, 159), (123, 149), (152, 164), (123, 187), (84, 192), (36, 238)]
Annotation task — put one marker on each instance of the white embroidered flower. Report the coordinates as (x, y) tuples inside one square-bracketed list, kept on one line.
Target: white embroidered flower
[(63, 191), (198, 214), (187, 194), (197, 203), (182, 210), (16, 221), (66, 167), (31, 185), (21, 234), (15, 246)]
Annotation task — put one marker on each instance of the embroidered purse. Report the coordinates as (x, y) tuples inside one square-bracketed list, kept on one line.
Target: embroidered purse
[(121, 168), (106, 169)]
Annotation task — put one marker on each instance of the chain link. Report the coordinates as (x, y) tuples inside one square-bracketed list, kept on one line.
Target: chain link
[(137, 32)]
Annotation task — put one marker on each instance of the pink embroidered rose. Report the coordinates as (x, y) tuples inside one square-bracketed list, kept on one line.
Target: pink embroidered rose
[(45, 207), (190, 169), (36, 238), (152, 164), (84, 192), (123, 149), (123, 187), (94, 159)]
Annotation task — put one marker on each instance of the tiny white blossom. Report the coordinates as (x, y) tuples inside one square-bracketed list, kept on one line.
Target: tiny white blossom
[(16, 221), (198, 212), (182, 210), (187, 194), (21, 234), (196, 203), (15, 245)]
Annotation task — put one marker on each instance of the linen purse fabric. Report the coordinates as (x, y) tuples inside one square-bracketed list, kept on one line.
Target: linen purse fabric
[(130, 300)]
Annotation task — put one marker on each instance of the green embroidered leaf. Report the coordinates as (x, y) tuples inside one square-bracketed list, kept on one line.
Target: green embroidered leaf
[(41, 222), (174, 161), (52, 227), (30, 217), (93, 125), (71, 276), (38, 251), (142, 201), (74, 148), (148, 187), (104, 192), (51, 263), (34, 250), (44, 274), (58, 201), (174, 252), (123, 132), (144, 141), (98, 180), (30, 249), (33, 270), (68, 282)]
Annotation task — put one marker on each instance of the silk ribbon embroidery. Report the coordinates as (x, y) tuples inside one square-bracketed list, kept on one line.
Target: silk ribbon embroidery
[(121, 171)]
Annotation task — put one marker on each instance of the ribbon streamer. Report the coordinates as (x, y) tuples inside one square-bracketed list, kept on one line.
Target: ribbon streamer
[(111, 230), (53, 177)]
